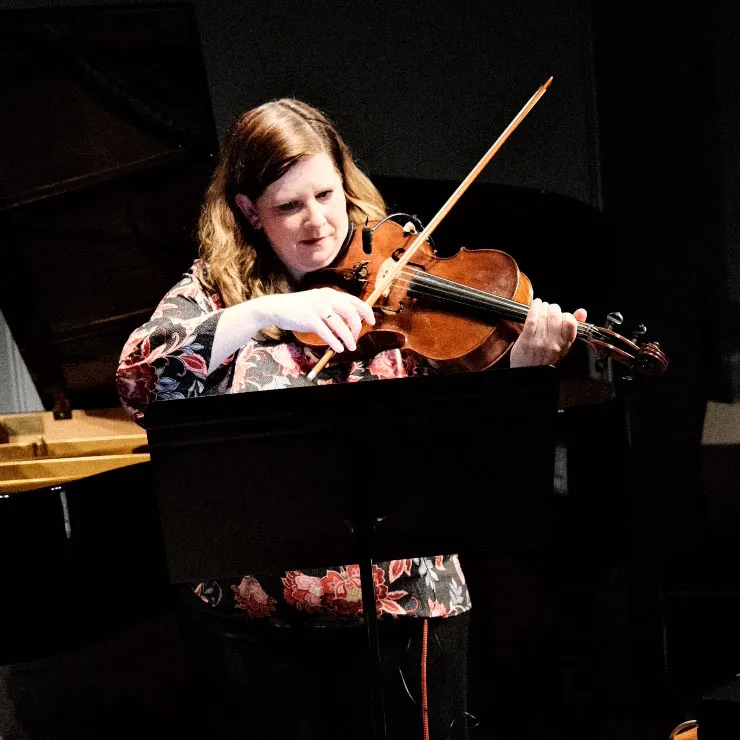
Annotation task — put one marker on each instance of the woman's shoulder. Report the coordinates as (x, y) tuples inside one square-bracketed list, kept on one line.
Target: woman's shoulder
[(193, 284), (196, 273)]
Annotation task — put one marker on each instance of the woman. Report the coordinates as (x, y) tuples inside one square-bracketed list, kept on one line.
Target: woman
[(280, 206)]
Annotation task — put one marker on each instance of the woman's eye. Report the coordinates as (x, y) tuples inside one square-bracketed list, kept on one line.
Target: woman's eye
[(324, 194), (287, 207)]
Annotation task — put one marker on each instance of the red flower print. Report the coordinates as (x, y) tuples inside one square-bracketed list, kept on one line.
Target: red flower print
[(413, 366), (292, 360), (398, 568), (302, 591), (389, 604), (195, 363), (385, 600), (242, 366), (251, 597), (387, 364), (439, 562), (409, 364), (436, 609), (133, 342), (342, 590), (136, 384)]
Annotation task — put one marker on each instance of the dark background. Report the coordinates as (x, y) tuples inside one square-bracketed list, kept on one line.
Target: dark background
[(617, 193)]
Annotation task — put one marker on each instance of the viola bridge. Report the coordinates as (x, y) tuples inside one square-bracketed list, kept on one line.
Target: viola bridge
[(350, 279), (389, 311)]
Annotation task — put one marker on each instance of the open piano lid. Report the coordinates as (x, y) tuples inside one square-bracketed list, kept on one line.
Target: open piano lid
[(101, 181), (102, 173), (103, 164)]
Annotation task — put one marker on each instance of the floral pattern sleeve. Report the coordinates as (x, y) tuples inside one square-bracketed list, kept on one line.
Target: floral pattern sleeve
[(167, 358)]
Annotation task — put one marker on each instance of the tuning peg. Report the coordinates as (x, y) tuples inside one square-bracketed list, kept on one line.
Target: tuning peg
[(638, 332), (613, 319)]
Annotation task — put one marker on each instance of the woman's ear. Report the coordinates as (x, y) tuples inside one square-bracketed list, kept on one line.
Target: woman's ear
[(246, 206)]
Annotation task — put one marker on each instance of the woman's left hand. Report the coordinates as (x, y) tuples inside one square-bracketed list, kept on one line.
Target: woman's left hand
[(547, 335)]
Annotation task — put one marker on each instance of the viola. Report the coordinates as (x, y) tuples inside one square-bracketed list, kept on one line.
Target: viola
[(462, 313)]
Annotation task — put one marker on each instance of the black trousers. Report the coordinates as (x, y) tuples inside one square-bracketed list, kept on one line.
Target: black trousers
[(254, 681)]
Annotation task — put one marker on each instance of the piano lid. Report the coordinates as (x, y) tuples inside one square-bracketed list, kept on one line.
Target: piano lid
[(102, 173)]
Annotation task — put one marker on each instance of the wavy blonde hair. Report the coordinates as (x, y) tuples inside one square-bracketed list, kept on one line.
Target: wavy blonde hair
[(260, 147)]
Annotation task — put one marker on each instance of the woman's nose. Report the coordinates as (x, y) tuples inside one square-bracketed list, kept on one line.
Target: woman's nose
[(315, 214)]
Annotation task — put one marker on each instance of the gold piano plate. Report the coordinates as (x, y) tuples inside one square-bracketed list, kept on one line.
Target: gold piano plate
[(42, 452)]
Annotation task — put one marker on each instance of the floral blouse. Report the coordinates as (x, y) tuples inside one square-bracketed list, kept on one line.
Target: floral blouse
[(167, 358)]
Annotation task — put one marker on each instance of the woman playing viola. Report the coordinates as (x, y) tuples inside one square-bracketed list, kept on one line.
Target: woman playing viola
[(280, 654)]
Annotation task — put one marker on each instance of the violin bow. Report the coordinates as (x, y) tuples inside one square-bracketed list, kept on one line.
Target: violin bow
[(383, 284)]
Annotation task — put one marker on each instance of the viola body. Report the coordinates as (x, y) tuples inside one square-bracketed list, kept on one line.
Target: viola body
[(438, 307)]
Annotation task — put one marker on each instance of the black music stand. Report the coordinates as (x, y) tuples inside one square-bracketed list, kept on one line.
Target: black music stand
[(329, 475)]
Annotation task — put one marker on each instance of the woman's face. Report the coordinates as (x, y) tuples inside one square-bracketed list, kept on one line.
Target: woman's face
[(303, 214)]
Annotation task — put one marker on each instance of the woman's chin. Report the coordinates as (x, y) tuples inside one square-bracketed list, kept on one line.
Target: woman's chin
[(323, 256)]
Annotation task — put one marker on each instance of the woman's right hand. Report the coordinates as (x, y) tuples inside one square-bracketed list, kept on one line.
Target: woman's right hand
[(334, 316)]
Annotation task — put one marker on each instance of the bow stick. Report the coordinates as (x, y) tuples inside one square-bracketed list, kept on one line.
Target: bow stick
[(421, 238)]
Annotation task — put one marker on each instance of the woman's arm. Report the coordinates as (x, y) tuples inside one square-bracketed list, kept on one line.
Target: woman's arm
[(189, 336), (336, 317)]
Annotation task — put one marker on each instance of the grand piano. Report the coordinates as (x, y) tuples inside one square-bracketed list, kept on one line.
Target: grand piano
[(102, 180)]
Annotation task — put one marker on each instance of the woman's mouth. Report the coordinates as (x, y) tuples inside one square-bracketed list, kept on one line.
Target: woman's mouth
[(318, 242)]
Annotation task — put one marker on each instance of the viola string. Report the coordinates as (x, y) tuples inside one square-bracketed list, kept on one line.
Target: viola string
[(504, 308), (431, 286), (464, 295)]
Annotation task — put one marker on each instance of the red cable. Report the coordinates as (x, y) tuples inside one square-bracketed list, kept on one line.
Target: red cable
[(424, 698)]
